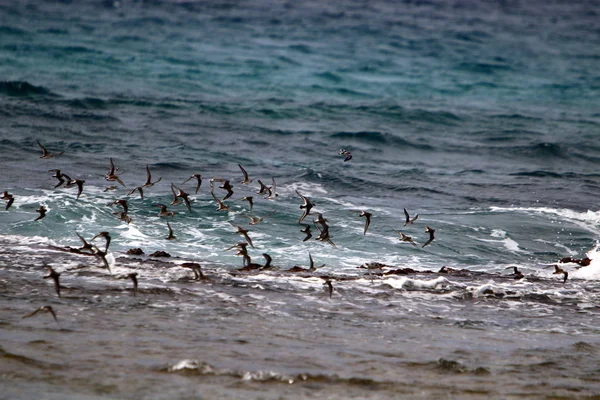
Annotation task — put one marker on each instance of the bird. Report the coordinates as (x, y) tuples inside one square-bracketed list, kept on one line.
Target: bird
[(222, 206), (62, 178), (85, 245), (43, 309), (306, 230), (198, 177), (254, 220), (311, 267), (9, 197), (243, 232), (324, 234), (517, 274), (106, 237), (149, 182), (272, 190), (329, 286), (139, 189), (52, 274), (559, 270), (246, 180), (175, 198), (76, 182), (171, 236), (196, 268), (257, 220), (46, 153), (181, 194), (367, 216), (321, 220), (111, 174), (249, 265), (346, 154), (122, 216), (227, 186), (101, 255), (42, 210), (122, 203), (408, 219), (163, 211), (404, 238), (250, 201), (307, 206), (133, 277), (263, 188), (111, 187), (431, 232)]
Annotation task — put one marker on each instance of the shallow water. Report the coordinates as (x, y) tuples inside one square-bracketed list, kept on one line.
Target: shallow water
[(480, 118)]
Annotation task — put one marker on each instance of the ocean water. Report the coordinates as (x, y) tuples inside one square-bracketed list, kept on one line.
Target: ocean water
[(481, 117)]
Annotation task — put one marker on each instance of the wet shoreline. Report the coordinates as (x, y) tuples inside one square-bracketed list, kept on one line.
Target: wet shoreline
[(273, 334)]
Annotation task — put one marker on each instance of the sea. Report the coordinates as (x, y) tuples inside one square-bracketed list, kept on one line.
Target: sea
[(480, 117)]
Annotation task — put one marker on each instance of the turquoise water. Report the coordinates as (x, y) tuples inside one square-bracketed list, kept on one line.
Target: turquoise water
[(481, 118)]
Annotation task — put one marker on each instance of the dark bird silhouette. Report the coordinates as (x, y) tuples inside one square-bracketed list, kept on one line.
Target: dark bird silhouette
[(182, 195), (44, 309), (133, 277), (329, 287), (226, 186), (171, 236), (46, 153), (9, 197), (250, 201), (408, 220), (559, 270), (52, 274), (111, 174), (198, 177), (120, 202), (306, 206), (367, 216), (249, 265), (76, 182), (306, 231), (106, 237), (263, 188), (101, 255), (222, 206), (243, 232), (517, 274), (431, 232), (62, 178), (346, 154), (85, 245), (311, 267), (196, 268), (246, 179), (42, 210), (139, 189), (149, 182)]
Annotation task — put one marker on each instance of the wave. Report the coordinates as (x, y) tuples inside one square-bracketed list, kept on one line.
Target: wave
[(23, 89), (379, 137), (483, 68), (196, 367), (9, 30)]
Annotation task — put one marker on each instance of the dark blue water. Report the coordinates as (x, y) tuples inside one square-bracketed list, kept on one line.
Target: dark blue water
[(482, 118)]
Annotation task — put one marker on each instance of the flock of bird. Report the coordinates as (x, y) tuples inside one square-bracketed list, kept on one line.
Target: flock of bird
[(180, 196)]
